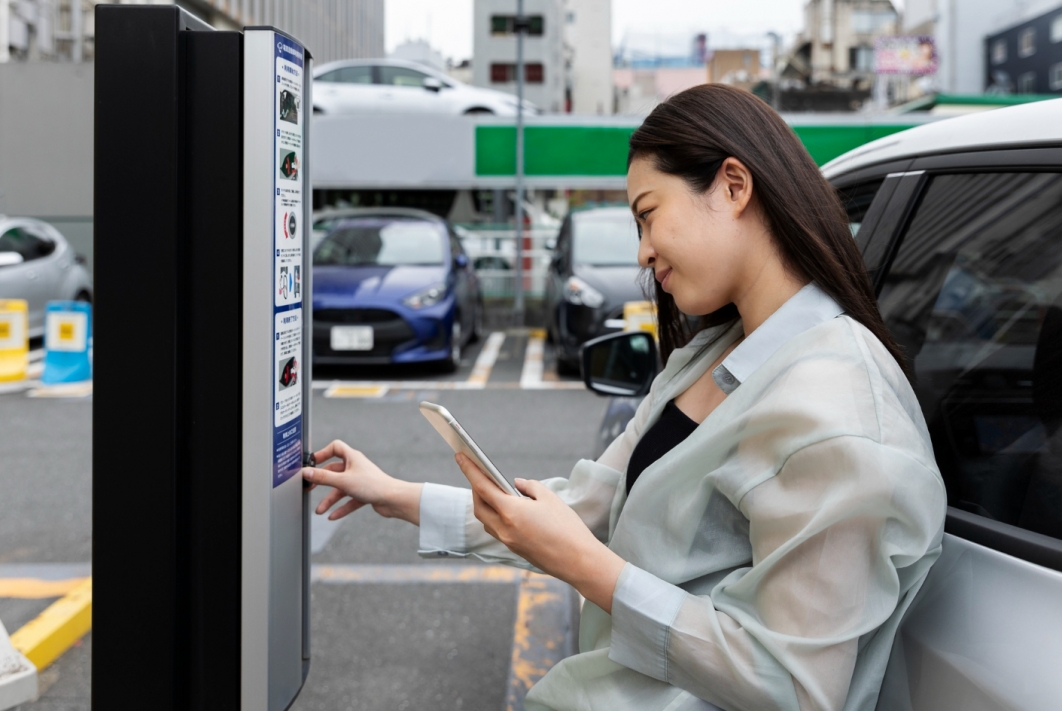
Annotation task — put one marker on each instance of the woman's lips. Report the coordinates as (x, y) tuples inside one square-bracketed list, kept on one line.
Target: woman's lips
[(664, 279)]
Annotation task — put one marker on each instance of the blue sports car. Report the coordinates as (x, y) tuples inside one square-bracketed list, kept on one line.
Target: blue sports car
[(393, 286)]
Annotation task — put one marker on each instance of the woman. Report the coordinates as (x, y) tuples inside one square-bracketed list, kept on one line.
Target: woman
[(754, 536)]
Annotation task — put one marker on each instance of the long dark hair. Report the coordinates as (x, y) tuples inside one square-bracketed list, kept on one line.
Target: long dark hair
[(692, 133)]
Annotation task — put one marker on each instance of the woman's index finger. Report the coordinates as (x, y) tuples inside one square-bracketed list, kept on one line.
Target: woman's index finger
[(482, 483), (331, 450)]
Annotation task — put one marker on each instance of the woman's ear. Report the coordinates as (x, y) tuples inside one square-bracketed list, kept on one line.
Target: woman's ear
[(736, 180)]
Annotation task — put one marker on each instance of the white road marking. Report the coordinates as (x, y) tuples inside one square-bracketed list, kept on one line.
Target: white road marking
[(531, 375), (63, 390), (485, 361)]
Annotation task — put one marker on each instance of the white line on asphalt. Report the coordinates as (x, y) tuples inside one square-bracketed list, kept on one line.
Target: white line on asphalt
[(531, 375), (485, 361)]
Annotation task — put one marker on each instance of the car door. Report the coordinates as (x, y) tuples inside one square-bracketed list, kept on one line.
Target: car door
[(402, 91), (30, 279), (347, 90), (971, 289)]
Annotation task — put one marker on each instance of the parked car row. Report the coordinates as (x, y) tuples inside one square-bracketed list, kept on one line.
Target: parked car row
[(395, 85), (37, 264), (960, 226)]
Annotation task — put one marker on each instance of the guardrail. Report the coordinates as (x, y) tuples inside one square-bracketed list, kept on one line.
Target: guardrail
[(493, 252)]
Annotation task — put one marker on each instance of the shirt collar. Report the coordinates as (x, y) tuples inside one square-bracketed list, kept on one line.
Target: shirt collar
[(807, 308)]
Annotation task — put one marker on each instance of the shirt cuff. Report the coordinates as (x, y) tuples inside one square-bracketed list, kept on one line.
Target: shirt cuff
[(442, 520), (643, 610)]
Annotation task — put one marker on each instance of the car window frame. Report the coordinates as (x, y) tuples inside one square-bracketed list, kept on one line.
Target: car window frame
[(36, 233), (1011, 540)]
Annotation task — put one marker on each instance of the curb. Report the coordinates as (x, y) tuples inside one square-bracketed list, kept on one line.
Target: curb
[(64, 622)]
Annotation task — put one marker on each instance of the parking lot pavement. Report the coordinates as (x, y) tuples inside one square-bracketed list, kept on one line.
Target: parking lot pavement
[(378, 643)]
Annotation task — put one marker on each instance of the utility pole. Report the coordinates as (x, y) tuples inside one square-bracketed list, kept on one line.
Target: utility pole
[(521, 26), (776, 75)]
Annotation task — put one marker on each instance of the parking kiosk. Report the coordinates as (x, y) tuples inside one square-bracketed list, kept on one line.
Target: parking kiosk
[(202, 332)]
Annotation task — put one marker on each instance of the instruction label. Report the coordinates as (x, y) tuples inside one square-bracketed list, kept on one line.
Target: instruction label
[(288, 126)]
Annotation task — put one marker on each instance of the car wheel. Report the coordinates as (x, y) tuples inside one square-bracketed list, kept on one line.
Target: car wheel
[(453, 362), (83, 296), (479, 111)]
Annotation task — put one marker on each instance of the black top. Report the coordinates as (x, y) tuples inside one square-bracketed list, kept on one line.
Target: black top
[(672, 427)]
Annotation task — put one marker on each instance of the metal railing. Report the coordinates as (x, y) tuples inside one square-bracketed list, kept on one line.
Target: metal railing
[(493, 252)]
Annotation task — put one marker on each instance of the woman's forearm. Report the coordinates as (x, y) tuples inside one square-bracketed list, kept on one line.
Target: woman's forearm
[(403, 502), (595, 572)]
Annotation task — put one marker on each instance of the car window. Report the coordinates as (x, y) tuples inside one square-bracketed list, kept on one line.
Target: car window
[(605, 240), (974, 297), (382, 243), (348, 75), (29, 245), (856, 200), (401, 76)]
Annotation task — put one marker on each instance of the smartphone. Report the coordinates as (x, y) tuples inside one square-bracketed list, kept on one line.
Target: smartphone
[(450, 429)]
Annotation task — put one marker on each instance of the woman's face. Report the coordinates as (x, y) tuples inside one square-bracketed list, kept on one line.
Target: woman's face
[(701, 247)]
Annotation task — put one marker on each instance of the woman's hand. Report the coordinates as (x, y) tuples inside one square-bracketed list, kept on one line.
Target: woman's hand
[(364, 482), (546, 532)]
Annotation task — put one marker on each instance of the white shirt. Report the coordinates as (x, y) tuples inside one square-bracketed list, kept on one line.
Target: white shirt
[(772, 553)]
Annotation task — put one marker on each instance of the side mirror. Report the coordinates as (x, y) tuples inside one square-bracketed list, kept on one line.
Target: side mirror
[(461, 261), (10, 259), (432, 84), (621, 364)]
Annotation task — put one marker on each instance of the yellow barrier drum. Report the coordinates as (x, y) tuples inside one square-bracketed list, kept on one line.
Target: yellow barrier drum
[(14, 339), (639, 316)]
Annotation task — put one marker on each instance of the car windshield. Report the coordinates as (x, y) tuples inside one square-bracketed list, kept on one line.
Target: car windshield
[(385, 243), (605, 240)]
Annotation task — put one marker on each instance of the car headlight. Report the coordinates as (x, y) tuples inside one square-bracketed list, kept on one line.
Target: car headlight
[(577, 291), (426, 297)]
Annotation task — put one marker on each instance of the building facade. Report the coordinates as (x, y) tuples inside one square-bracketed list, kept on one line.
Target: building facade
[(588, 36), (1026, 58), (836, 46), (959, 30), (494, 49), (63, 30)]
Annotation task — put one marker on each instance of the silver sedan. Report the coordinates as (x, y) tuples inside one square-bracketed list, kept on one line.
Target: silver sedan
[(37, 264)]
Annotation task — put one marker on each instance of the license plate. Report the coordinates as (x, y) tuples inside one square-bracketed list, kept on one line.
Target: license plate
[(352, 338)]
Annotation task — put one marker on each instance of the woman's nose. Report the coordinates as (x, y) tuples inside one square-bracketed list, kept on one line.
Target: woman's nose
[(646, 253)]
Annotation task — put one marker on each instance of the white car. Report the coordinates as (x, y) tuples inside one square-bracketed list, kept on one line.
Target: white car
[(399, 86), (38, 265)]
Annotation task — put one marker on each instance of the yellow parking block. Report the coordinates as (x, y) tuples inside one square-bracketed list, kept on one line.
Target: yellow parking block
[(56, 629)]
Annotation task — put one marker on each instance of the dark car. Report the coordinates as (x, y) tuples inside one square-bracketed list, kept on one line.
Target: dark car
[(393, 286), (593, 272), (960, 226)]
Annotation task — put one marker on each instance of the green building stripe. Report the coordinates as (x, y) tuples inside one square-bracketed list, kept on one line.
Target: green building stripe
[(602, 150), (553, 150)]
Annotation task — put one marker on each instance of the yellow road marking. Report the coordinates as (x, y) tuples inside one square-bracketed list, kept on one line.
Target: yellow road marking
[(56, 629), (371, 391), (425, 573), (37, 589), (538, 635), (485, 361)]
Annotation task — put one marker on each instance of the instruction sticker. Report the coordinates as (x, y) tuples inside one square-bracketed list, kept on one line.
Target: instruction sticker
[(288, 128)]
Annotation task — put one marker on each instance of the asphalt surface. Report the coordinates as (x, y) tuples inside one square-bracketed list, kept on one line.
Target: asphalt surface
[(376, 645)]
